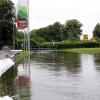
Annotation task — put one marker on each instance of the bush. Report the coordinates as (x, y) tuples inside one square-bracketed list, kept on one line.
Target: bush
[(73, 44), (19, 43)]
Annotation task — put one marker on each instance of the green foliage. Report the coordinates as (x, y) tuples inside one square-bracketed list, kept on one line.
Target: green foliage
[(54, 33), (97, 38), (40, 40), (72, 29), (7, 10), (33, 42), (49, 33), (85, 50), (96, 32), (7, 18), (19, 39), (35, 37), (58, 32), (71, 44), (19, 35), (22, 54)]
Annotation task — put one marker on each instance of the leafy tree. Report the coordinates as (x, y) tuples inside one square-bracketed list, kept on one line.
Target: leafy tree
[(58, 32), (54, 32), (7, 18), (19, 35), (49, 33), (43, 33), (38, 35), (64, 36), (72, 29), (96, 32)]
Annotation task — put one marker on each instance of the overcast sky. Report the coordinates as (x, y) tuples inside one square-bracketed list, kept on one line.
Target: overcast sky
[(45, 12)]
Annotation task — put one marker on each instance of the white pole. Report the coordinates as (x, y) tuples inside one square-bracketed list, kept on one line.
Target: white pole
[(28, 35)]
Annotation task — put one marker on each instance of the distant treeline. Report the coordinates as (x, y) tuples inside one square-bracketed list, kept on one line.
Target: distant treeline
[(58, 32), (60, 36)]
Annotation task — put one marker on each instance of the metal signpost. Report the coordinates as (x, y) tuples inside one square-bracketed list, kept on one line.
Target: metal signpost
[(23, 25), (23, 22)]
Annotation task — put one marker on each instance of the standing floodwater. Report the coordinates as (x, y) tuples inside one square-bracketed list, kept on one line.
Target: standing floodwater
[(65, 76), (56, 76)]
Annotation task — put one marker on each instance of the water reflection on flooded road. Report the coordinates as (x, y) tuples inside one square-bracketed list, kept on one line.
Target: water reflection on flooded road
[(65, 76), (55, 76)]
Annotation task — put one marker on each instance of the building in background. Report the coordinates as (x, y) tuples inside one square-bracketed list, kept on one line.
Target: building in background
[(85, 37)]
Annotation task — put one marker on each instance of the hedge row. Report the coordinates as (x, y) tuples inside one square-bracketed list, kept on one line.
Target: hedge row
[(63, 45), (59, 45)]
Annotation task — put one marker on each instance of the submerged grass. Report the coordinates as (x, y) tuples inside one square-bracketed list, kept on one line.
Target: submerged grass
[(85, 50), (22, 54)]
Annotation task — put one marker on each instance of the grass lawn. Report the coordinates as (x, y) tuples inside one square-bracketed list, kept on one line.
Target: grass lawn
[(85, 50)]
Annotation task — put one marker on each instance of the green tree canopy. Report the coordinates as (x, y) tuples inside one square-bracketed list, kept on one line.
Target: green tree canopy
[(7, 18), (57, 32), (72, 29), (96, 31), (49, 33), (54, 32)]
